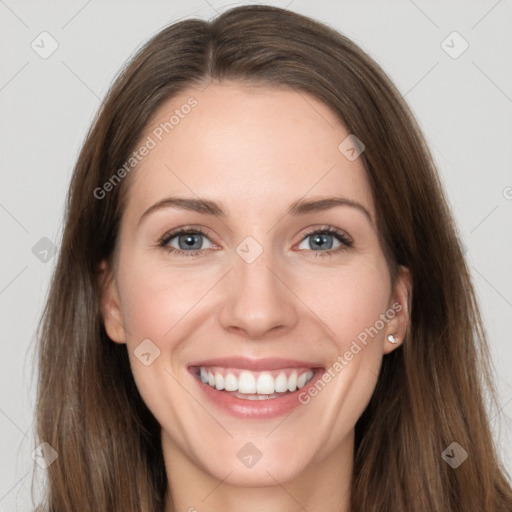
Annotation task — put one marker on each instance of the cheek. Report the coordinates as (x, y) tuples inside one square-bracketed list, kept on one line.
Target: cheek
[(351, 303), (157, 304), (156, 298), (348, 299)]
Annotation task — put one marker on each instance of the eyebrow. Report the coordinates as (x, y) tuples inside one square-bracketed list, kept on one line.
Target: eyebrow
[(299, 207)]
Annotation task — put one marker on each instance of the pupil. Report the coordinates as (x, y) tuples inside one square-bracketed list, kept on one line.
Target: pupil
[(322, 240), (193, 241), (190, 242)]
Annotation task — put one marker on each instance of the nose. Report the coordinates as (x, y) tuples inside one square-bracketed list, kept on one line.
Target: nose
[(258, 301)]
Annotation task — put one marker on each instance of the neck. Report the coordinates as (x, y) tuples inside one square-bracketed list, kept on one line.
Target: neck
[(323, 486)]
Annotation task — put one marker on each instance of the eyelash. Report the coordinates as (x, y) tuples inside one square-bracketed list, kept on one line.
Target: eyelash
[(345, 241)]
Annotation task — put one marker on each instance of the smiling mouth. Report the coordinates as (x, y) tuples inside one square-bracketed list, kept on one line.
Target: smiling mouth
[(254, 385)]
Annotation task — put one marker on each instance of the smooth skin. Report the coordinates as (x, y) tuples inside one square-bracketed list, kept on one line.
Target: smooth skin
[(254, 150)]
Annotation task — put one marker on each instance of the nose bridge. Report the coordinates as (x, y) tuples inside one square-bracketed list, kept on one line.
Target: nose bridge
[(257, 301)]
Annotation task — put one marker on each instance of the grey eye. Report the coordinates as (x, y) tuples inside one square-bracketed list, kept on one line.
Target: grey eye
[(188, 241), (319, 241)]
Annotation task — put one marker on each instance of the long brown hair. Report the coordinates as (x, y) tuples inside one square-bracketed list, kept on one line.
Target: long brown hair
[(430, 391)]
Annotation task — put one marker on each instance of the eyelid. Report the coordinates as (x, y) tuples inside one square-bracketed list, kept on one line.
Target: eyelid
[(343, 237), (182, 230), (326, 228)]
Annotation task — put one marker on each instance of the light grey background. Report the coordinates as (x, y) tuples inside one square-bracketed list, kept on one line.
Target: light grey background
[(463, 104)]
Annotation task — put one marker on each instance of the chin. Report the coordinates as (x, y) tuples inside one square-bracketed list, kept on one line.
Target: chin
[(258, 462)]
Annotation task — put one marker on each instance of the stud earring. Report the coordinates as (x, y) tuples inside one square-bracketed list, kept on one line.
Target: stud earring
[(392, 339)]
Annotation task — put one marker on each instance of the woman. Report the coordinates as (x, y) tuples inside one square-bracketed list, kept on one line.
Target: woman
[(260, 300)]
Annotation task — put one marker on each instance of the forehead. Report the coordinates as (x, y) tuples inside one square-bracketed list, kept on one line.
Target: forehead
[(244, 145)]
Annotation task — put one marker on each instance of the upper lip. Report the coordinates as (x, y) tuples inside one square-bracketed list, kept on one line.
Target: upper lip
[(255, 364)]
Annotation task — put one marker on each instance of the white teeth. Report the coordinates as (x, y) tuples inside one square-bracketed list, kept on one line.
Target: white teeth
[(301, 380), (281, 383), (255, 386), (219, 381), (265, 384), (309, 376), (292, 382), (246, 383), (230, 382)]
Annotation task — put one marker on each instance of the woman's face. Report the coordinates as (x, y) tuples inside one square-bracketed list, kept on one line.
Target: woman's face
[(274, 286)]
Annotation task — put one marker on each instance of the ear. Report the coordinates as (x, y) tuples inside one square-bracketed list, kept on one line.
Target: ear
[(111, 305), (399, 309)]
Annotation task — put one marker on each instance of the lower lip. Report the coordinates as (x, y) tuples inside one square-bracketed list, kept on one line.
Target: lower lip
[(256, 409)]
